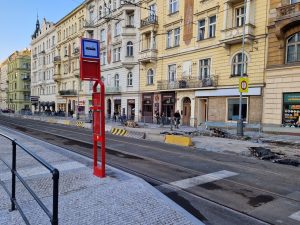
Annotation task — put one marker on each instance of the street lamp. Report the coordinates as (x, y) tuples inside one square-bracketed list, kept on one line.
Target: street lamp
[(240, 125)]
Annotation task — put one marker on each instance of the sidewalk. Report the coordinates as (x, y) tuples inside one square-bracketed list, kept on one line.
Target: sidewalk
[(120, 198)]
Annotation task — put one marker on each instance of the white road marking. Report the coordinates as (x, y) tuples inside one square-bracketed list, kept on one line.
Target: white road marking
[(295, 216), (191, 182)]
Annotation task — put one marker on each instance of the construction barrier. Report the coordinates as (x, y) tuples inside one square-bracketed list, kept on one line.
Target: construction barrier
[(128, 133), (178, 140), (118, 131), (80, 124)]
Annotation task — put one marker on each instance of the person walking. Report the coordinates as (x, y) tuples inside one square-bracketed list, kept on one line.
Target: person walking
[(177, 119), (157, 117)]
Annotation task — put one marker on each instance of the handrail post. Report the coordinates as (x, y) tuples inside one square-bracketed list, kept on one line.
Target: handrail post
[(13, 170), (55, 177)]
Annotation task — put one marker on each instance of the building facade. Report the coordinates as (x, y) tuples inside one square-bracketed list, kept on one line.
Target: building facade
[(19, 80), (115, 24), (3, 84), (71, 95), (43, 88), (282, 92), (191, 59)]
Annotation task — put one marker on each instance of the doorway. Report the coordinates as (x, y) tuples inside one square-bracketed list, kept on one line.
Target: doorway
[(186, 113), (202, 111)]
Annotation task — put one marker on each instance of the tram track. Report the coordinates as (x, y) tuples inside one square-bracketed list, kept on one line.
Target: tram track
[(34, 129)]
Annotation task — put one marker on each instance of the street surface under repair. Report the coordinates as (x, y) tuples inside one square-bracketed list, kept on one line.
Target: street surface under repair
[(215, 187)]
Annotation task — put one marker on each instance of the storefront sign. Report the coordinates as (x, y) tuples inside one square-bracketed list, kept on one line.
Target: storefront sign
[(291, 109), (61, 101), (292, 98)]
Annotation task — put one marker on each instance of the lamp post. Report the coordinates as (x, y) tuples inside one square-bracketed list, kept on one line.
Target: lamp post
[(240, 126)]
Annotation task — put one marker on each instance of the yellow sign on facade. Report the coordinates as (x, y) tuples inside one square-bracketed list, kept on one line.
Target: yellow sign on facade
[(243, 85)]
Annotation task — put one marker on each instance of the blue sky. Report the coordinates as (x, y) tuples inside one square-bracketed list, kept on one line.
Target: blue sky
[(18, 18)]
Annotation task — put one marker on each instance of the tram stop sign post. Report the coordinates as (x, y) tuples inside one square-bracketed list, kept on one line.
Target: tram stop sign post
[(90, 71)]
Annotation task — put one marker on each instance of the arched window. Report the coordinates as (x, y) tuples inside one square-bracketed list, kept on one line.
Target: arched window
[(129, 79), (150, 77), (237, 64), (117, 80), (293, 48), (129, 48)]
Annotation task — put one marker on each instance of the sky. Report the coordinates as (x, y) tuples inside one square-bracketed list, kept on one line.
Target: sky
[(18, 19)]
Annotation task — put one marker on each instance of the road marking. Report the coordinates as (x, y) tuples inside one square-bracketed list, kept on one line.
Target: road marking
[(295, 216), (191, 182)]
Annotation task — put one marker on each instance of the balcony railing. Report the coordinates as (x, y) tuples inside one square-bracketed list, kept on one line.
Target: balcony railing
[(235, 34), (68, 93), (112, 89), (153, 19), (57, 59), (187, 82), (288, 10), (89, 24), (148, 55), (25, 77), (34, 56)]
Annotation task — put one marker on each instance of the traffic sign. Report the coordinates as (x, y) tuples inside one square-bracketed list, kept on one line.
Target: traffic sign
[(243, 84)]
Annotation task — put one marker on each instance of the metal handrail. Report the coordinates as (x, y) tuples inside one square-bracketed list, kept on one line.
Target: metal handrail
[(55, 177)]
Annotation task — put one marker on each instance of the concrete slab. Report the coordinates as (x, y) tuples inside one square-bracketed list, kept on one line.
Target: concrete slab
[(120, 198)]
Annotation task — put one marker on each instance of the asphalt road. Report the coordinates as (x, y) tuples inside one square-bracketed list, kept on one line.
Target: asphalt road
[(247, 191)]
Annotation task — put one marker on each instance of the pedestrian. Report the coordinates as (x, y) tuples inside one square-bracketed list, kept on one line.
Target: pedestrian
[(163, 118), (157, 117), (177, 119)]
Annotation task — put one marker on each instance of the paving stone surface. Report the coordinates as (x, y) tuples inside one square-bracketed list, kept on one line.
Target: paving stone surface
[(120, 198)]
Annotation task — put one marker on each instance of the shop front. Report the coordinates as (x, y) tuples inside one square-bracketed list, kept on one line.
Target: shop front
[(168, 103), (291, 110), (131, 109), (147, 110)]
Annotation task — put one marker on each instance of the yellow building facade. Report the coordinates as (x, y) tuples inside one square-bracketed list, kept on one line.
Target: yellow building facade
[(69, 30), (191, 59)]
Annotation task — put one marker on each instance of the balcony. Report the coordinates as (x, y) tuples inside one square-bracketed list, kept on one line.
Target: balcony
[(129, 62), (68, 93), (129, 30), (56, 77), (112, 90), (285, 16), (89, 26), (57, 59), (148, 55), (288, 10), (187, 82), (42, 52), (25, 77), (235, 34), (34, 56), (150, 20)]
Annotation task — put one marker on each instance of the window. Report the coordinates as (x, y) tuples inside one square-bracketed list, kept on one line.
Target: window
[(117, 54), (293, 48), (129, 79), (233, 109), (173, 6), (100, 12), (102, 35), (201, 29), (204, 68), (117, 28), (103, 58), (130, 22), (129, 48), (117, 81), (150, 77), (212, 26), (239, 16), (176, 36), (176, 33), (172, 72), (237, 64), (152, 11), (169, 39)]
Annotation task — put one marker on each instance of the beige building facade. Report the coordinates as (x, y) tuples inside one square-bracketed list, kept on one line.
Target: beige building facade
[(71, 94), (282, 92), (191, 59)]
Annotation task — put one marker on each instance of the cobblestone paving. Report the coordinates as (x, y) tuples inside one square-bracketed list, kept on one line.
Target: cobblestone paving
[(119, 199)]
